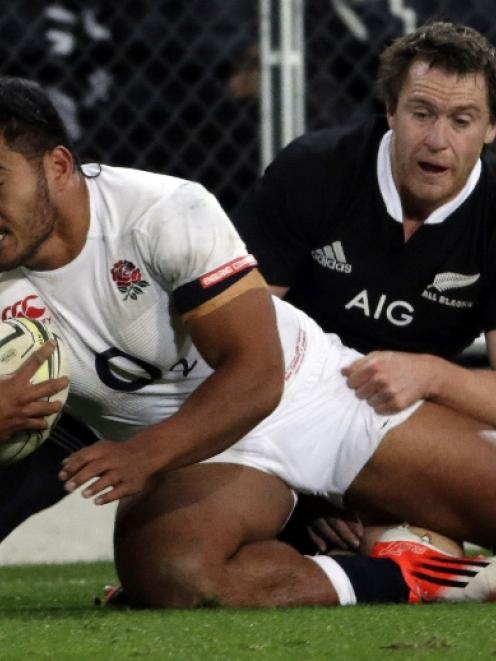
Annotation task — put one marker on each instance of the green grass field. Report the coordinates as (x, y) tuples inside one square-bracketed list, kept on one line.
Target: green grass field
[(48, 612)]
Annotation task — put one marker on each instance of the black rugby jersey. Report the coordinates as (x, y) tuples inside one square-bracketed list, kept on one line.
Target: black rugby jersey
[(318, 224)]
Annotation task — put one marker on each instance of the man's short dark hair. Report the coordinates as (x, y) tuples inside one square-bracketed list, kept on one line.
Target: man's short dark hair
[(453, 48), (29, 122)]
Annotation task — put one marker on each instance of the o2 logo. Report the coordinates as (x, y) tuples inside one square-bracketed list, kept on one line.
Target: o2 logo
[(112, 370)]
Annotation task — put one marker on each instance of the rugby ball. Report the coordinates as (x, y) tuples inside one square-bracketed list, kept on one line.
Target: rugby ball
[(19, 338)]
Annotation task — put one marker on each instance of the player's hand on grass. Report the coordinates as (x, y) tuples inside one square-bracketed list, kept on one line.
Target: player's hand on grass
[(118, 469), (332, 532), (22, 405), (391, 380)]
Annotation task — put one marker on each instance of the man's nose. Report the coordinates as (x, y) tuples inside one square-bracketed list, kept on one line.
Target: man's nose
[(437, 135)]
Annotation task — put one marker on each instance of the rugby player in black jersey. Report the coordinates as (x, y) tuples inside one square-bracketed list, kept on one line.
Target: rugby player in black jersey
[(384, 230)]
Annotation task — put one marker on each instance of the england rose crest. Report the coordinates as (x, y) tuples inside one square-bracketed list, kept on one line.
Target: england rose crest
[(128, 279)]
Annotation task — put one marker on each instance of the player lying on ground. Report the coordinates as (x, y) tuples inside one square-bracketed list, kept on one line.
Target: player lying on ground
[(175, 348)]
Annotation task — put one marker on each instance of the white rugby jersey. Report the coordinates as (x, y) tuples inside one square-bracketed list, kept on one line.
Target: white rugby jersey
[(157, 247)]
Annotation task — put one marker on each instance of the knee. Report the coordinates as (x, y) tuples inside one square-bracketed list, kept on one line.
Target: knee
[(180, 578)]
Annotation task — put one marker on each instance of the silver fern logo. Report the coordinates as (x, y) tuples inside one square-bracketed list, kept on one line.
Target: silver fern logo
[(445, 281)]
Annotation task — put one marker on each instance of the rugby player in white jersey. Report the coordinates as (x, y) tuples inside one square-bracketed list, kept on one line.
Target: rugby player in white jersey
[(225, 403)]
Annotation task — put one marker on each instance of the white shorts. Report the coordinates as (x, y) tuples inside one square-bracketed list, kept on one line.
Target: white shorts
[(321, 435)]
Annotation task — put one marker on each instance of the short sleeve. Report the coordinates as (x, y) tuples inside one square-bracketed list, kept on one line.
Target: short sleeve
[(195, 250)]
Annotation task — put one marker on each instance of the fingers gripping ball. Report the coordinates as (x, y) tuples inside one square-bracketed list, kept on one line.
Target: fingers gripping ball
[(19, 339)]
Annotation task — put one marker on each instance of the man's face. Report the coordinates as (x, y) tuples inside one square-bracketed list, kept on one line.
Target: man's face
[(440, 126), (27, 217)]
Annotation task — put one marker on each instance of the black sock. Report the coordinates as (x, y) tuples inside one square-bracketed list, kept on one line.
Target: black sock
[(374, 580)]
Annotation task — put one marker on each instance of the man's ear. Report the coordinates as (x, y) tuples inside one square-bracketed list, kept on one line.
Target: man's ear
[(490, 133), (59, 166)]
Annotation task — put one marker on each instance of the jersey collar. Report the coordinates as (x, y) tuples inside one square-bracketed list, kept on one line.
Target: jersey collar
[(390, 193)]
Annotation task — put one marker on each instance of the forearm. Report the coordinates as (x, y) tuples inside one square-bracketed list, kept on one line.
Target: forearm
[(468, 391), (216, 415)]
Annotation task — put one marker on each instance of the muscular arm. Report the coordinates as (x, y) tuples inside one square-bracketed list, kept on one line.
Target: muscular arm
[(470, 391), (390, 381), (241, 342)]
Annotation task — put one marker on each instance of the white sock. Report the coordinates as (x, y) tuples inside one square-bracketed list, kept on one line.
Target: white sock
[(337, 577)]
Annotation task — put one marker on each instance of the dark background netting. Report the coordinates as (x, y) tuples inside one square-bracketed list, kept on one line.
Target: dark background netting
[(345, 37), (171, 85)]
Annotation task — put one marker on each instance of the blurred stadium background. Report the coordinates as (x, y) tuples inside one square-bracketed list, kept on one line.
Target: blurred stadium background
[(205, 89)]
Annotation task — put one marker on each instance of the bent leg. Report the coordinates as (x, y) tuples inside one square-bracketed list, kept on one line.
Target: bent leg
[(206, 534), (435, 470)]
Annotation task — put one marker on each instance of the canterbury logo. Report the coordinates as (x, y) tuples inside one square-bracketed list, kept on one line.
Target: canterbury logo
[(444, 281), (31, 307), (332, 257)]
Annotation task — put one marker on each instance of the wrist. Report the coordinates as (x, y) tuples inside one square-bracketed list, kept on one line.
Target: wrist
[(147, 451), (436, 372)]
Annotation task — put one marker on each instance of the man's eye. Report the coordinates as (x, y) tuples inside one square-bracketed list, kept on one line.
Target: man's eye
[(462, 122), (420, 114)]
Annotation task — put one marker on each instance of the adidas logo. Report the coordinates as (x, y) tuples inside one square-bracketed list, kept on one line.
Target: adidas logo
[(332, 257)]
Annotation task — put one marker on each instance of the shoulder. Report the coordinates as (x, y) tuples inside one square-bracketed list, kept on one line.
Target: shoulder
[(130, 185), (124, 198), (324, 140), (488, 159), (332, 149), (485, 191)]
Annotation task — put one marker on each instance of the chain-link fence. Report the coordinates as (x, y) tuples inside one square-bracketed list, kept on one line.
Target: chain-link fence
[(172, 86), (165, 85), (345, 37)]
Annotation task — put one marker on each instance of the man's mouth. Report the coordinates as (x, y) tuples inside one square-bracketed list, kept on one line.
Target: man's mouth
[(432, 168)]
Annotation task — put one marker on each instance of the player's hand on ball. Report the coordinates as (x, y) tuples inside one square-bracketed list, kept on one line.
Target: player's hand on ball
[(391, 380), (119, 468), (22, 405)]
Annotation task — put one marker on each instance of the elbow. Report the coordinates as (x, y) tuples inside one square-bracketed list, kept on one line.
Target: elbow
[(272, 401), (270, 389)]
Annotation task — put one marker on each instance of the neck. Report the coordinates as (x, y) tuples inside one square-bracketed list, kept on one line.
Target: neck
[(410, 226), (71, 223), (414, 215)]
